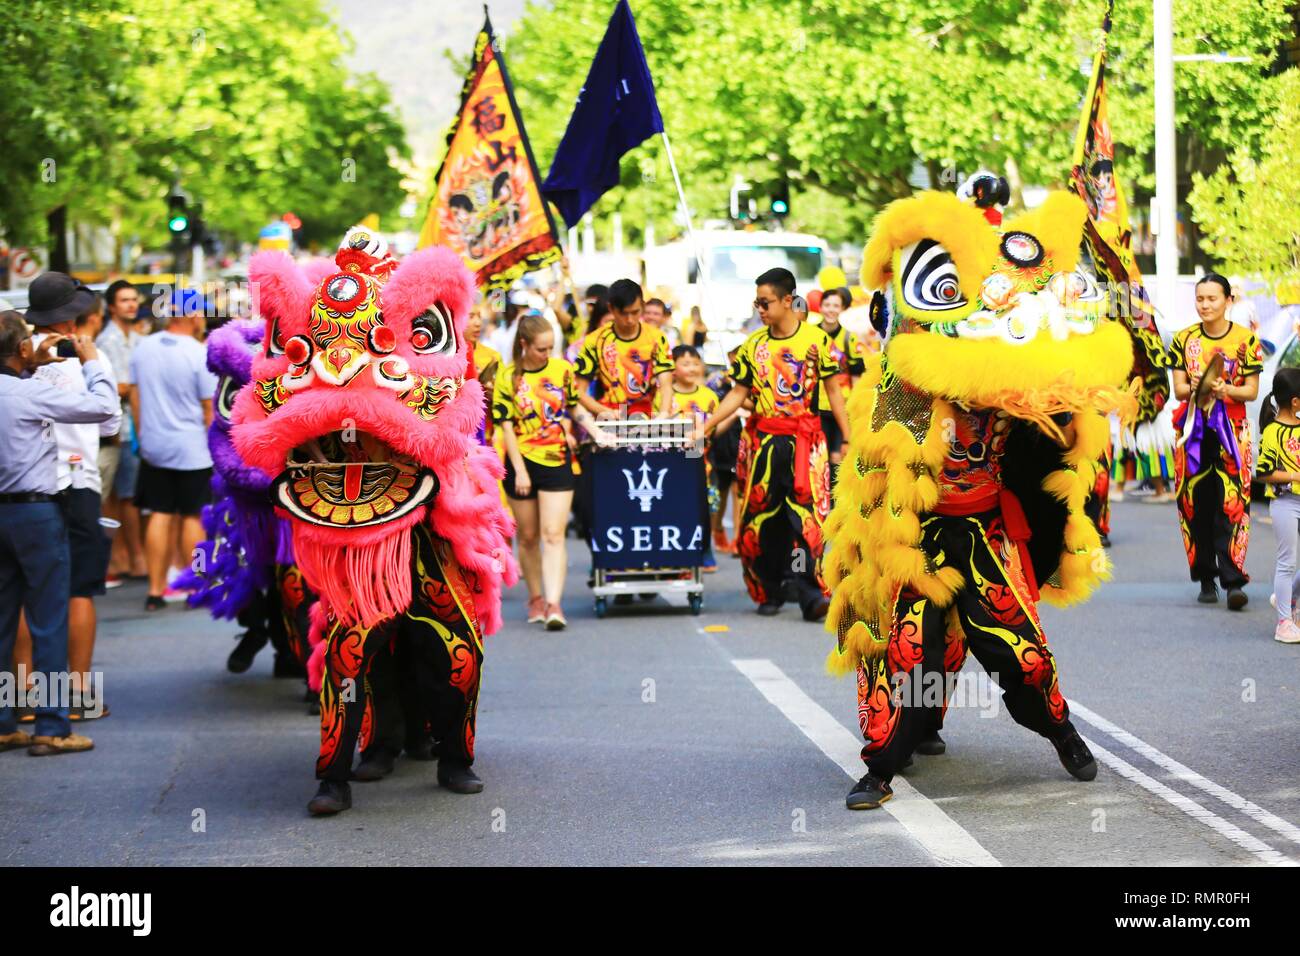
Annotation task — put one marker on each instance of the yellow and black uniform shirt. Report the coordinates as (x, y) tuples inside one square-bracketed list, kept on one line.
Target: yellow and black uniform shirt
[(624, 370), (698, 403), (1243, 356), (1279, 450), (848, 355), (537, 408), (784, 375)]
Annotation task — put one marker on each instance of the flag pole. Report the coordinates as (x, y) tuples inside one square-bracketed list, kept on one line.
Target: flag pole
[(690, 229)]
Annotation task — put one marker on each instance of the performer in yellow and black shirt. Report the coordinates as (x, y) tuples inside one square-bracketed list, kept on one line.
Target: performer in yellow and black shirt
[(623, 368), (535, 403), (785, 368), (847, 350), (628, 361), (1212, 462)]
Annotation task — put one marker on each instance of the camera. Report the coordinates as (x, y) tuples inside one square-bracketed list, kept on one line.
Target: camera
[(66, 349)]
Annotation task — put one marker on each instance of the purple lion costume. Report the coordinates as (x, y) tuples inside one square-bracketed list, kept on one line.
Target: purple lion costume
[(244, 570)]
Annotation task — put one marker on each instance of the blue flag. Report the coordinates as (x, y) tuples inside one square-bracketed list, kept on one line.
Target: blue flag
[(616, 112)]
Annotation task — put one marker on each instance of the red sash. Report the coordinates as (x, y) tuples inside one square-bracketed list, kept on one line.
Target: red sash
[(804, 428), (1013, 519)]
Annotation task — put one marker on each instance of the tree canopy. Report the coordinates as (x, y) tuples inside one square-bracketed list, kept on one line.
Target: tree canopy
[(846, 96), (247, 103)]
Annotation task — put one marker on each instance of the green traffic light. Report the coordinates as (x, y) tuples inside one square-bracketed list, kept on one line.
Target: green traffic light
[(780, 207), (178, 223)]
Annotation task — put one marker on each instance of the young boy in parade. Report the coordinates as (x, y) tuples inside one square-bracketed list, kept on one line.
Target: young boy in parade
[(786, 492), (1279, 470), (694, 400), (623, 370), (1213, 458), (535, 404)]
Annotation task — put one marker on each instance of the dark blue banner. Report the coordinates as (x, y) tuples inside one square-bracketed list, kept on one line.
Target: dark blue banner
[(616, 112), (650, 510)]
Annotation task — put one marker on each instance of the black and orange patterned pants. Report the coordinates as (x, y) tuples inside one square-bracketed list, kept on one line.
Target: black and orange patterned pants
[(441, 629), (993, 617), (780, 532)]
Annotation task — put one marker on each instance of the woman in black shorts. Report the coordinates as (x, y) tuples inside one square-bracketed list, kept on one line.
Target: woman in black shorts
[(535, 404)]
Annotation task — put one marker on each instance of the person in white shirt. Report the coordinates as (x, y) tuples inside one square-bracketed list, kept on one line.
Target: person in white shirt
[(119, 460), (171, 401), (78, 477)]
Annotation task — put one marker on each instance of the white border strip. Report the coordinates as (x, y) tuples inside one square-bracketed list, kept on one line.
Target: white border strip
[(1261, 850), (941, 836), (1187, 775)]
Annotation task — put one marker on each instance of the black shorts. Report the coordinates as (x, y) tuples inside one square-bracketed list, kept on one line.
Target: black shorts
[(831, 429), (171, 492), (88, 546), (543, 477)]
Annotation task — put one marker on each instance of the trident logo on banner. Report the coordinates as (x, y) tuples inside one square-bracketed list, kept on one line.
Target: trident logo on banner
[(646, 492)]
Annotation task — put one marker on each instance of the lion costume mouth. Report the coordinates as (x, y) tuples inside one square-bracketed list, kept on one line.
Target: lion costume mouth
[(350, 479)]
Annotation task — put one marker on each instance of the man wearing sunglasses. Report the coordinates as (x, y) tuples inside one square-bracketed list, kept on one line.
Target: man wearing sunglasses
[(785, 368)]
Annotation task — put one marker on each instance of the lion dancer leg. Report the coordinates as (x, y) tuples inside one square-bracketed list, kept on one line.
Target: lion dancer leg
[(446, 646), (346, 708), (901, 696), (999, 616)]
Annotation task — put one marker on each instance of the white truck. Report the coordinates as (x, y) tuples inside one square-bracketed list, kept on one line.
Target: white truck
[(733, 259)]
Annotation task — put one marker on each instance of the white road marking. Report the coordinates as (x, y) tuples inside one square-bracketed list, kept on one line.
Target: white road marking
[(1261, 850), (1187, 775), (940, 835)]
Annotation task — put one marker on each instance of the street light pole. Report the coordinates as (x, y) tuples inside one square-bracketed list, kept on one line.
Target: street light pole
[(1165, 221)]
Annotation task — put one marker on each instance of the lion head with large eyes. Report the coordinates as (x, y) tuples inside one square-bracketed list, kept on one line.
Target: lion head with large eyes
[(975, 310), (360, 410)]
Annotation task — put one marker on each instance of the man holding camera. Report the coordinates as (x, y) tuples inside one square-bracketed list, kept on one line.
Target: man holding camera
[(35, 568)]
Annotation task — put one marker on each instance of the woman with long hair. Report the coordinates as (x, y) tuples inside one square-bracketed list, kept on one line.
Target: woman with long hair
[(1212, 461), (535, 404)]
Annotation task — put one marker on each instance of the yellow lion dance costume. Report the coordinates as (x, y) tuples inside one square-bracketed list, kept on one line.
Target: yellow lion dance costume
[(975, 438)]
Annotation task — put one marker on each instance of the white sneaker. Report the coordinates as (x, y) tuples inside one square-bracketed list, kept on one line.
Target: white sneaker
[(1287, 632)]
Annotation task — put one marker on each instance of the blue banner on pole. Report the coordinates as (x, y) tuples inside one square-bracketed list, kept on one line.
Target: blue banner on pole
[(650, 510), (616, 112)]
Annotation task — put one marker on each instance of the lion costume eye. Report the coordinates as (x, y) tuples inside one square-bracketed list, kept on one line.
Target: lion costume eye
[(275, 340), (227, 391), (929, 279), (431, 331)]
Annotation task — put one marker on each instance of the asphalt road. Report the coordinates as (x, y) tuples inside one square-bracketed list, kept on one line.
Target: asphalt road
[(659, 738)]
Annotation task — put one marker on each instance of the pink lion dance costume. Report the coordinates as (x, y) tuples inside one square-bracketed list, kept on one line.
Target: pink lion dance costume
[(361, 410)]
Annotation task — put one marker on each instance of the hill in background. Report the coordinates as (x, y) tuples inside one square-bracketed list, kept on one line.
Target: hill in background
[(405, 43)]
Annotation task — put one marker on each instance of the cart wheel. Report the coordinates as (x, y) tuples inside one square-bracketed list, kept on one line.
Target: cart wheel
[(602, 607), (697, 603)]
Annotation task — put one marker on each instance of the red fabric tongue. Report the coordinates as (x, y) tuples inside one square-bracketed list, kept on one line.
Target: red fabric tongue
[(352, 481)]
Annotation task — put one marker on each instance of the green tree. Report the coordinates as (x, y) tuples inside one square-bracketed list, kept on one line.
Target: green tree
[(1249, 208), (846, 97), (247, 102)]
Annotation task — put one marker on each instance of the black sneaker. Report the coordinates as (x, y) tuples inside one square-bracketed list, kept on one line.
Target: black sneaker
[(868, 793), (331, 798), (420, 750), (931, 745), (241, 658), (1209, 593), (769, 609), (1236, 599), (154, 603), (1105, 541), (458, 777), (1075, 756), (286, 665), (817, 611), (375, 765)]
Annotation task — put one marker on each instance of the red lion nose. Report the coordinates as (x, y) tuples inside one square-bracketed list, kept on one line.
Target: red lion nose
[(339, 358)]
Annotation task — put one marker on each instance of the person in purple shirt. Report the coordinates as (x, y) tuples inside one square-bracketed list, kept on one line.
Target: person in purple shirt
[(35, 569)]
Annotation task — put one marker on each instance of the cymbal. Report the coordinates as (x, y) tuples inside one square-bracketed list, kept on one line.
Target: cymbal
[(1213, 374)]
